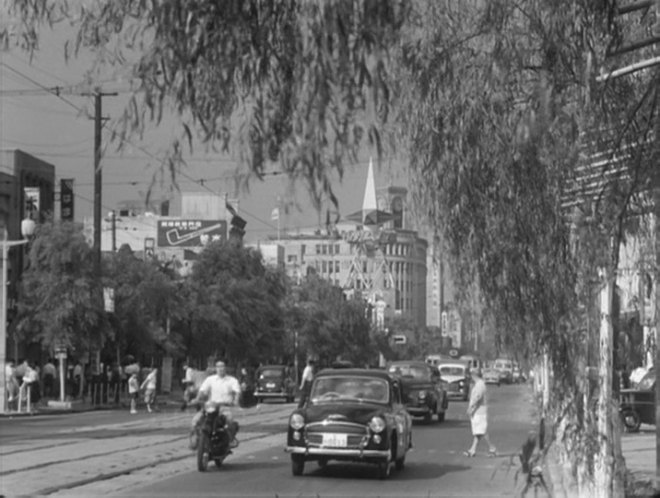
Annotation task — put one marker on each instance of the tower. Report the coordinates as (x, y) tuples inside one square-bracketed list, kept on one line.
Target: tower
[(370, 273)]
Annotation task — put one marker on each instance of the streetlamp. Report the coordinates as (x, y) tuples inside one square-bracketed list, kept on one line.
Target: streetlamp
[(27, 229)]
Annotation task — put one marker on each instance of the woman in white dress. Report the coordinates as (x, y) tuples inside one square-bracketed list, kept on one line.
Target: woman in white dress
[(478, 413)]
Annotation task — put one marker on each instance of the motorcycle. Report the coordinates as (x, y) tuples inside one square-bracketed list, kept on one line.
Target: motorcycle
[(214, 441)]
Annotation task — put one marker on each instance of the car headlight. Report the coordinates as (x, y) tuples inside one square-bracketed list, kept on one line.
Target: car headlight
[(297, 421), (461, 383), (422, 394), (377, 424)]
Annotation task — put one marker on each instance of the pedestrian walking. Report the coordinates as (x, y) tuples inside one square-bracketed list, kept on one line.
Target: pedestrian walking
[(478, 413), (306, 382), (133, 391), (11, 384), (188, 385), (149, 386), (49, 372)]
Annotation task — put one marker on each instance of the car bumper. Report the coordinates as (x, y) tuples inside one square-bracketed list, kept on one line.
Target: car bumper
[(456, 394), (419, 411), (338, 452), (271, 394)]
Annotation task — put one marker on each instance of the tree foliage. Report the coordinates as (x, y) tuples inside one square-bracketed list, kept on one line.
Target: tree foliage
[(300, 82), (145, 297), (236, 312), (61, 298), (329, 327)]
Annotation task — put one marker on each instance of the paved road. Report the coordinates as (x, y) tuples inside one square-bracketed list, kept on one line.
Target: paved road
[(113, 453)]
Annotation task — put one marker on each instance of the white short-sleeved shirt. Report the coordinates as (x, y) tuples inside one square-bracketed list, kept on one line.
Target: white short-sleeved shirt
[(221, 389), (307, 375), (150, 381)]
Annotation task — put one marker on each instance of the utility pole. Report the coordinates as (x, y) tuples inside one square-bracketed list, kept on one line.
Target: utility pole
[(98, 176)]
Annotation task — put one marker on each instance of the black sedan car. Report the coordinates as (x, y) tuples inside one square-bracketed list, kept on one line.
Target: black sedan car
[(274, 382), (351, 415), (424, 393)]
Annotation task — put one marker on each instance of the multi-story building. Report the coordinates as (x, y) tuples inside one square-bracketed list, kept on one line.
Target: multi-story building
[(27, 186), (385, 263)]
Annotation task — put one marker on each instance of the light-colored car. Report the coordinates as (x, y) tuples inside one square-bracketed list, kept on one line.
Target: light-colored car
[(505, 368), (457, 376), (491, 376)]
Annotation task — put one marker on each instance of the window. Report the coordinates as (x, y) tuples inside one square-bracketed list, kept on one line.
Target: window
[(324, 249), (336, 266), (336, 248)]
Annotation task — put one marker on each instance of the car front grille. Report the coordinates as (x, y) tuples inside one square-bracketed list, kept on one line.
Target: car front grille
[(357, 435)]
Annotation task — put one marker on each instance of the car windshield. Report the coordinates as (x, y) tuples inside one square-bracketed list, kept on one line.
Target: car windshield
[(452, 370), (270, 373), (411, 371), (503, 365), (328, 389)]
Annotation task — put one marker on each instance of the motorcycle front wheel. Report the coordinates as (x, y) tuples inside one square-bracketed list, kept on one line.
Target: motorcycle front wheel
[(203, 449)]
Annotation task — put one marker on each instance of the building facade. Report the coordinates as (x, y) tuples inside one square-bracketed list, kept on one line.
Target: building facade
[(331, 255), (27, 190)]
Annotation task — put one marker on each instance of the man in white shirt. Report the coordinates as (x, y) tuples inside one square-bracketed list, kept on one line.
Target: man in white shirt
[(224, 390)]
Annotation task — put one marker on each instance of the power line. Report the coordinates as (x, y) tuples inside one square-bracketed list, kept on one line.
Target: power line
[(44, 88)]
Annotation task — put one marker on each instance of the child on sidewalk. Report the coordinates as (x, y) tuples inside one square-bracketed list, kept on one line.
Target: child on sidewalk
[(133, 391)]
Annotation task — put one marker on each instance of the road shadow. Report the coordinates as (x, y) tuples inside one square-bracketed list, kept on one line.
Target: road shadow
[(417, 471)]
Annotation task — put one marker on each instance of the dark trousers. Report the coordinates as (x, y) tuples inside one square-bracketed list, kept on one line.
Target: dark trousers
[(304, 393), (49, 385)]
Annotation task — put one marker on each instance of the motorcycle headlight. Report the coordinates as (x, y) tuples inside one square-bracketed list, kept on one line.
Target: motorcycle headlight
[(210, 407), (377, 424), (422, 394), (297, 421)]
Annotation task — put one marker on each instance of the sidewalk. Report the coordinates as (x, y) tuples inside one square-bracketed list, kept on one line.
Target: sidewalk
[(169, 401), (638, 450)]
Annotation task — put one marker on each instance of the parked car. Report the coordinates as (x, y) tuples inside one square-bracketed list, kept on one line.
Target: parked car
[(491, 376), (505, 367), (637, 405), (457, 376), (424, 393), (274, 382), (353, 415), (517, 374)]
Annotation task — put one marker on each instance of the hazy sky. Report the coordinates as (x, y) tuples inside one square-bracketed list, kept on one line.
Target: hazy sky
[(59, 130)]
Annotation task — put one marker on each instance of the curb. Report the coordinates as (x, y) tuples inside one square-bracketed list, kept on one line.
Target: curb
[(45, 410)]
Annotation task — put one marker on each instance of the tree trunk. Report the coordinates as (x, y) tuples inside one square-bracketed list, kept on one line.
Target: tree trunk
[(603, 471)]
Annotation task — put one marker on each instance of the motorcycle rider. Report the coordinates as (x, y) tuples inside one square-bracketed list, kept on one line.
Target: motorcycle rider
[(224, 390)]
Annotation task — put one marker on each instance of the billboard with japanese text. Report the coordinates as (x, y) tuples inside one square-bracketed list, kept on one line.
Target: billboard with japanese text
[(190, 233)]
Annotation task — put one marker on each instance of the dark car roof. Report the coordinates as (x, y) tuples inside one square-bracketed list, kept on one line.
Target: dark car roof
[(356, 372), (262, 367)]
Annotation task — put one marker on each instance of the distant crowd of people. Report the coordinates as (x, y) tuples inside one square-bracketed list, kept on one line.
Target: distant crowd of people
[(26, 380)]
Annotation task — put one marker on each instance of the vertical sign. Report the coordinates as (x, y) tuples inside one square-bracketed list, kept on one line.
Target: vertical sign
[(32, 202), (66, 199)]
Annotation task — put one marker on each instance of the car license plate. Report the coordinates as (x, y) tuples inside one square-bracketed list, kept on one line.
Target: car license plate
[(334, 440), (270, 385)]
